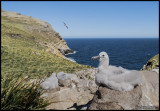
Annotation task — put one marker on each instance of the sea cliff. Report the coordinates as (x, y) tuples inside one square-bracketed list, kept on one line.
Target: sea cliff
[(32, 47), (42, 32)]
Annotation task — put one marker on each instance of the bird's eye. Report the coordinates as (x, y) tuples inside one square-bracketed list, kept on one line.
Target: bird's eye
[(103, 55)]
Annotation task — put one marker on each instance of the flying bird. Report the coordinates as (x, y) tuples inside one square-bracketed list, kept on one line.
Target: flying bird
[(65, 25)]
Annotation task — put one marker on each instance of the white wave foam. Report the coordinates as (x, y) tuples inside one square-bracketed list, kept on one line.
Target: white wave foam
[(71, 59)]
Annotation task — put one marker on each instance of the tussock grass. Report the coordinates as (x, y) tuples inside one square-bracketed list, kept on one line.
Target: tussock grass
[(19, 95), (34, 63)]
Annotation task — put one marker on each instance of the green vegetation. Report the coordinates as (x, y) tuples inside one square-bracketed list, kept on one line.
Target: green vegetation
[(155, 59), (19, 95), (22, 54), (34, 63), (152, 63)]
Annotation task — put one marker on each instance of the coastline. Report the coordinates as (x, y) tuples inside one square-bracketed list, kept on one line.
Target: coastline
[(69, 58), (71, 53)]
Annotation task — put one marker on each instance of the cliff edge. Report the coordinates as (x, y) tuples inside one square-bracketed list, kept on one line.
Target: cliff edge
[(40, 32), (30, 46)]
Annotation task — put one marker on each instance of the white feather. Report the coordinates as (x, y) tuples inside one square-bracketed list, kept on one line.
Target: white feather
[(50, 82), (64, 76), (116, 78)]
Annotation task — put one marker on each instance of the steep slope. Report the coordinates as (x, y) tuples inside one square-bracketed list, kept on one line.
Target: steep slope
[(40, 32), (31, 47)]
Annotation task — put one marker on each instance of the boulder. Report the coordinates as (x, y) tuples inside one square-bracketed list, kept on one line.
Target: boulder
[(150, 89), (65, 51), (144, 96), (107, 99), (65, 83), (64, 79), (67, 97), (75, 91)]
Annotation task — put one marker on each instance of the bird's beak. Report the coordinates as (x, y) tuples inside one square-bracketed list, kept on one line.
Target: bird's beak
[(95, 58)]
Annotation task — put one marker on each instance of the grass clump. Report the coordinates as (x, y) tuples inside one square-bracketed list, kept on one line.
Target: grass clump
[(18, 94)]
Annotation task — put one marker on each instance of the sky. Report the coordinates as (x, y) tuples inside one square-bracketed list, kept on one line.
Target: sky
[(94, 19)]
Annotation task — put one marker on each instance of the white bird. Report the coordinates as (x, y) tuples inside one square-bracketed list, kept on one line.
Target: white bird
[(64, 76), (116, 78), (50, 82)]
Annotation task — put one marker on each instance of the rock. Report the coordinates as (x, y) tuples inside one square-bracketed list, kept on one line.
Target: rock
[(88, 74), (72, 90), (144, 96), (66, 97), (65, 83), (153, 63), (150, 89), (64, 79), (65, 51), (80, 107), (14, 35), (155, 70), (107, 99)]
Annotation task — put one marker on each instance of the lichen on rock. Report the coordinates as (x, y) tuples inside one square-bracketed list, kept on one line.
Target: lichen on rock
[(153, 63)]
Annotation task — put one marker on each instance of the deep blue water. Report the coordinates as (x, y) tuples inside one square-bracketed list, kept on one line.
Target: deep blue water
[(129, 53)]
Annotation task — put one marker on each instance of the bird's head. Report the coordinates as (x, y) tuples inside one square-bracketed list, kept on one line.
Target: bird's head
[(102, 56), (103, 60)]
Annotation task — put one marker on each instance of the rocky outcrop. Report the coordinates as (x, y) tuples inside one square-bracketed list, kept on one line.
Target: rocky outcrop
[(150, 89), (67, 97), (152, 64), (107, 99), (75, 92), (66, 51), (145, 96), (81, 92)]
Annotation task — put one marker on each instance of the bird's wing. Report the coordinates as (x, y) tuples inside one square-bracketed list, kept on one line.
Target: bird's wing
[(126, 76), (133, 77), (118, 70), (64, 23), (117, 78)]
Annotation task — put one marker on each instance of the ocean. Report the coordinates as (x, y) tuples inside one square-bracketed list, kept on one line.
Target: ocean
[(129, 53)]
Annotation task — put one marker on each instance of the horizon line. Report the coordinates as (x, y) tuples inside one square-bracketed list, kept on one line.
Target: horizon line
[(114, 37)]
